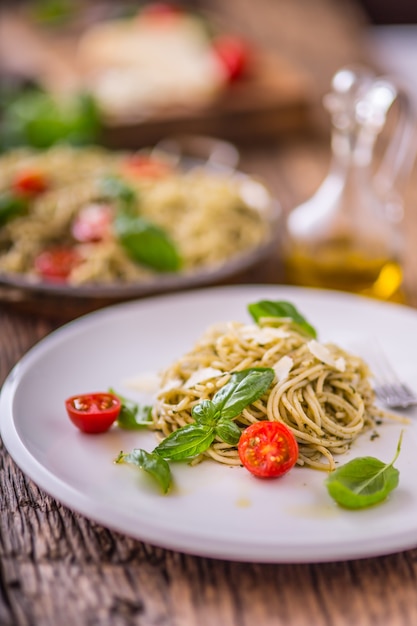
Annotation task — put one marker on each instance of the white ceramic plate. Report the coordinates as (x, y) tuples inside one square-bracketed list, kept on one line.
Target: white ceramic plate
[(214, 510)]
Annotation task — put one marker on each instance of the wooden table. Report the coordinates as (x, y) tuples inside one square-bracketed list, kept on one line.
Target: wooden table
[(57, 567)]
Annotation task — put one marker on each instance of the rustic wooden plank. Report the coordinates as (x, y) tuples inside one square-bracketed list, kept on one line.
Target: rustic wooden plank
[(69, 566)]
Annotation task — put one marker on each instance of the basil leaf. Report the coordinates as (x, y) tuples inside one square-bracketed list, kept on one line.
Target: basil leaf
[(53, 12), (186, 442), (11, 206), (228, 431), (114, 188), (242, 389), (364, 481), (132, 415), (279, 309), (146, 243), (152, 463), (205, 412), (32, 117)]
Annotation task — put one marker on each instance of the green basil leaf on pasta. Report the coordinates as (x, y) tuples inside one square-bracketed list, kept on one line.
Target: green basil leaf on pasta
[(281, 309), (146, 243), (151, 463), (364, 481), (186, 442), (242, 389), (132, 415), (205, 412), (228, 431)]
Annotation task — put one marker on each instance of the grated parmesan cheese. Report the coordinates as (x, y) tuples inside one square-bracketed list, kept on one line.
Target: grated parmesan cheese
[(283, 367), (322, 353), (262, 335), (202, 375)]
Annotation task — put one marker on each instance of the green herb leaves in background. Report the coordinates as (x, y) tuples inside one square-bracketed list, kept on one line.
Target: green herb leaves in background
[(281, 309), (11, 206), (212, 418), (145, 242), (364, 481), (34, 118), (116, 189), (53, 12)]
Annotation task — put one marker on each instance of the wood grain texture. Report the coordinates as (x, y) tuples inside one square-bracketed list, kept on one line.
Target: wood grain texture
[(58, 568)]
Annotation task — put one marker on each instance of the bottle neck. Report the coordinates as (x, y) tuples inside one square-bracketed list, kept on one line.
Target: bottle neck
[(352, 148)]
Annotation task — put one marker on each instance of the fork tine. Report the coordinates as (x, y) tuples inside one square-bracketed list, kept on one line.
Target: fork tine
[(387, 385), (396, 396)]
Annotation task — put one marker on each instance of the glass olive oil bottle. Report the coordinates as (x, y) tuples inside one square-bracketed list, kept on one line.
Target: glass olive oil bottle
[(348, 236)]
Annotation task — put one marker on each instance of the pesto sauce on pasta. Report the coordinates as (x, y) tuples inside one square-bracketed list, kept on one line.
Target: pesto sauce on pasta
[(321, 392), (203, 213)]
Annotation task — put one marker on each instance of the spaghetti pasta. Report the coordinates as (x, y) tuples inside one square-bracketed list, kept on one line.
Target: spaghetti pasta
[(204, 214), (321, 392)]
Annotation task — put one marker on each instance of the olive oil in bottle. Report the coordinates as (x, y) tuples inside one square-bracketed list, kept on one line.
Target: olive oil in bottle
[(348, 235), (346, 269)]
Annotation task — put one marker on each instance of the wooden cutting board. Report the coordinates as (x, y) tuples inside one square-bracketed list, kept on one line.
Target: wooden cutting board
[(274, 100)]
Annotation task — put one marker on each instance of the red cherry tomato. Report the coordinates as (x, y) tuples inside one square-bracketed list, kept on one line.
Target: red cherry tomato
[(30, 183), (56, 264), (142, 166), (93, 223), (161, 12), (93, 412), (268, 449), (234, 54)]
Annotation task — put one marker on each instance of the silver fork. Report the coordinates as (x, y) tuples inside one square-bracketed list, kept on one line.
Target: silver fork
[(389, 389)]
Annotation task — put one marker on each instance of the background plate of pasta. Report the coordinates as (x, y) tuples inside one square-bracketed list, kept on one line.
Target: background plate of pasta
[(181, 355), (95, 223)]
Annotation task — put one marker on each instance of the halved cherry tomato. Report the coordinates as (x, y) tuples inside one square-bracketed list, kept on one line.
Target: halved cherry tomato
[(268, 449), (30, 183), (93, 412), (234, 54), (93, 223), (143, 166), (56, 264)]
